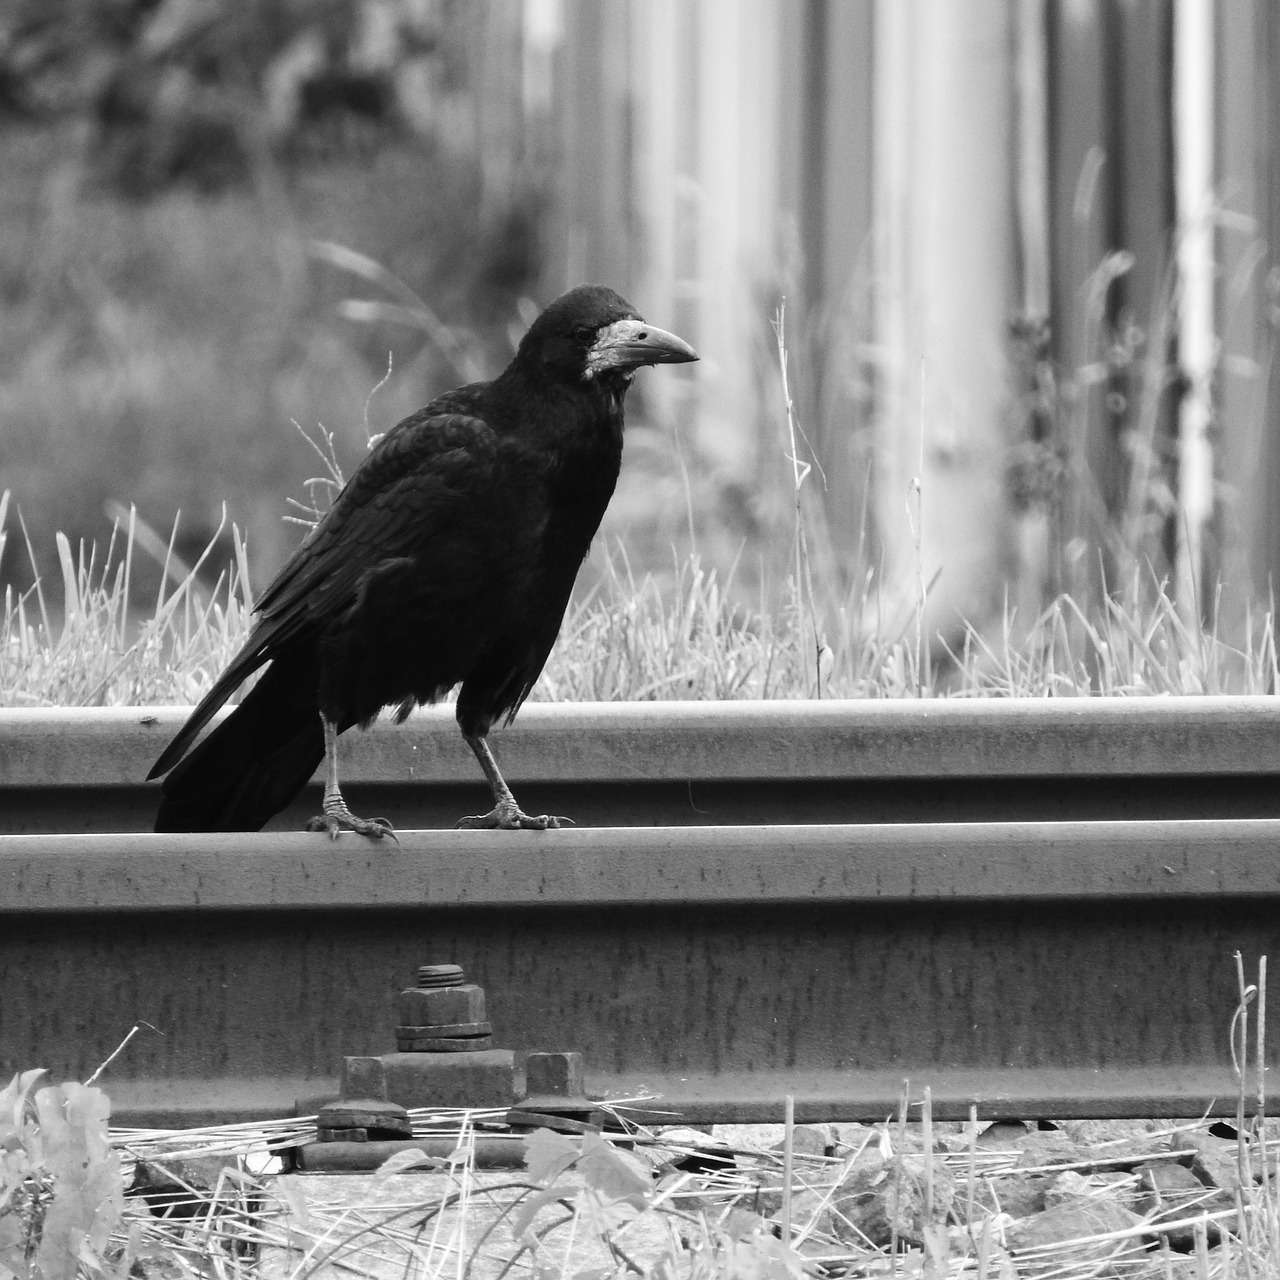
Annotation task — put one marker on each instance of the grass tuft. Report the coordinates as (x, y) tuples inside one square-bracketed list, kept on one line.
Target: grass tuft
[(88, 640)]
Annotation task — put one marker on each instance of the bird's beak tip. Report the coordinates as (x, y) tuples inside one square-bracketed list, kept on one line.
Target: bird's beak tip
[(632, 343)]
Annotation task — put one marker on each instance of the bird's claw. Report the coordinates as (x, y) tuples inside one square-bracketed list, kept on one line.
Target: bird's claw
[(338, 818), (510, 817)]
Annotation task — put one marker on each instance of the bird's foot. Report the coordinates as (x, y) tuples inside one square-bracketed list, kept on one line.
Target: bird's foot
[(506, 815), (337, 818)]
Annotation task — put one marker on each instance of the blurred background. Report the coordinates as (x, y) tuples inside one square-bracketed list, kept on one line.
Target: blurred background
[(1022, 252)]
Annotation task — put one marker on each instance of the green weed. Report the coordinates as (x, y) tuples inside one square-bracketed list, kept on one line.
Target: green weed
[(61, 1194), (687, 633)]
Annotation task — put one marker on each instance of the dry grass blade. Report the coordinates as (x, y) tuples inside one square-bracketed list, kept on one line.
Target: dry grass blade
[(412, 309), (456, 1221), (685, 634)]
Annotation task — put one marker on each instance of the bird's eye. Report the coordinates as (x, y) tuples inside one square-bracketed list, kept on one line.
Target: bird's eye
[(584, 334)]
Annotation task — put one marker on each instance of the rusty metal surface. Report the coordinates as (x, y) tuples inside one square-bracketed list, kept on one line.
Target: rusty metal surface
[(1038, 969), (692, 764), (867, 866), (647, 741)]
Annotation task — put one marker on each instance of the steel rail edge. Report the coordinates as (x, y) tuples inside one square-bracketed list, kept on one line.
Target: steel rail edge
[(709, 764), (950, 863), (640, 741), (1035, 969), (719, 934)]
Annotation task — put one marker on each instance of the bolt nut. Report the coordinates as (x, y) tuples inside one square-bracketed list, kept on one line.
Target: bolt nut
[(440, 975), (559, 1074), (432, 1006)]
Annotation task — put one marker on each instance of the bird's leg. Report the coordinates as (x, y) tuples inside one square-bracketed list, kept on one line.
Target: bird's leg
[(505, 814), (335, 816)]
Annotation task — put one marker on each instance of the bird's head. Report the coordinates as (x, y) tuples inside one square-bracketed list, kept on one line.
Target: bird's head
[(590, 332)]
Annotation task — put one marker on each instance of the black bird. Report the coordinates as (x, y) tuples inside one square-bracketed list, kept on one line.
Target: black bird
[(447, 559)]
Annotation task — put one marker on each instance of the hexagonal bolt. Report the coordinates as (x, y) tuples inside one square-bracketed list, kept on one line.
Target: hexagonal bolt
[(440, 975), (440, 1006), (555, 1074)]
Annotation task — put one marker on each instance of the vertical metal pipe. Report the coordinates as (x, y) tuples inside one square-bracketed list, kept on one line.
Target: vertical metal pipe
[(1193, 113)]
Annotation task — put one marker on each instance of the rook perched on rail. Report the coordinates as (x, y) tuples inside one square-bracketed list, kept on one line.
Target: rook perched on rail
[(447, 559)]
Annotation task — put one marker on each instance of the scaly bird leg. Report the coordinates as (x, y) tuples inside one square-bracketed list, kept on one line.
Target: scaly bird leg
[(505, 815), (336, 816)]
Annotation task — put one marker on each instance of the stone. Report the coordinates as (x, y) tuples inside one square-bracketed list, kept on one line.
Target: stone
[(1066, 1187), (689, 1149), (1170, 1191), (1043, 1147), (808, 1140), (810, 1209), (1017, 1195), (1098, 1215), (1174, 1266), (1119, 1135), (848, 1138), (1216, 1161), (179, 1188), (1003, 1135), (882, 1197), (1166, 1183)]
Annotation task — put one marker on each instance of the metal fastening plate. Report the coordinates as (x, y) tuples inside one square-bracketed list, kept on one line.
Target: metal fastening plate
[(373, 1116), (342, 1135), (443, 1030), (442, 1044)]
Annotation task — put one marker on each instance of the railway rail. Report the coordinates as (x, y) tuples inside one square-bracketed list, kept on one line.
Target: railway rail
[(1030, 906)]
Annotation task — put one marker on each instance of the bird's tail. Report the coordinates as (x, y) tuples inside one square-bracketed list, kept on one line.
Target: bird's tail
[(254, 763)]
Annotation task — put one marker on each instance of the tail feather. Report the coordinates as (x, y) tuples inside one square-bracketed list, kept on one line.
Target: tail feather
[(255, 762), (246, 662)]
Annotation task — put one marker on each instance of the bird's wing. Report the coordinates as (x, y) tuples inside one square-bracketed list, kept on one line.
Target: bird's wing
[(415, 483)]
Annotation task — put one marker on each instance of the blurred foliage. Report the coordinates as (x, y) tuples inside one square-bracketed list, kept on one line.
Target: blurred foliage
[(170, 167), (60, 1188), (193, 91)]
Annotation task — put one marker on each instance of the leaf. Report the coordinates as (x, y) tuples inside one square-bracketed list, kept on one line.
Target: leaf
[(606, 1216), (741, 1223), (612, 1174), (132, 1249), (403, 1160), (911, 1264), (937, 1251), (533, 1205), (13, 1246), (548, 1154), (88, 1194), (764, 1257), (289, 1189)]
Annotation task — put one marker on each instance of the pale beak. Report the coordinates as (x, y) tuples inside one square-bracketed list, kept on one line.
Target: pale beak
[(628, 344)]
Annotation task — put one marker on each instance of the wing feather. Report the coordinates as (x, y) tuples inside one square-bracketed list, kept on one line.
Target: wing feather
[(420, 477), (414, 484)]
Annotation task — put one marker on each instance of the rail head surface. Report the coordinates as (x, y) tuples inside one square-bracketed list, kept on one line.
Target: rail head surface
[(703, 741), (706, 867)]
